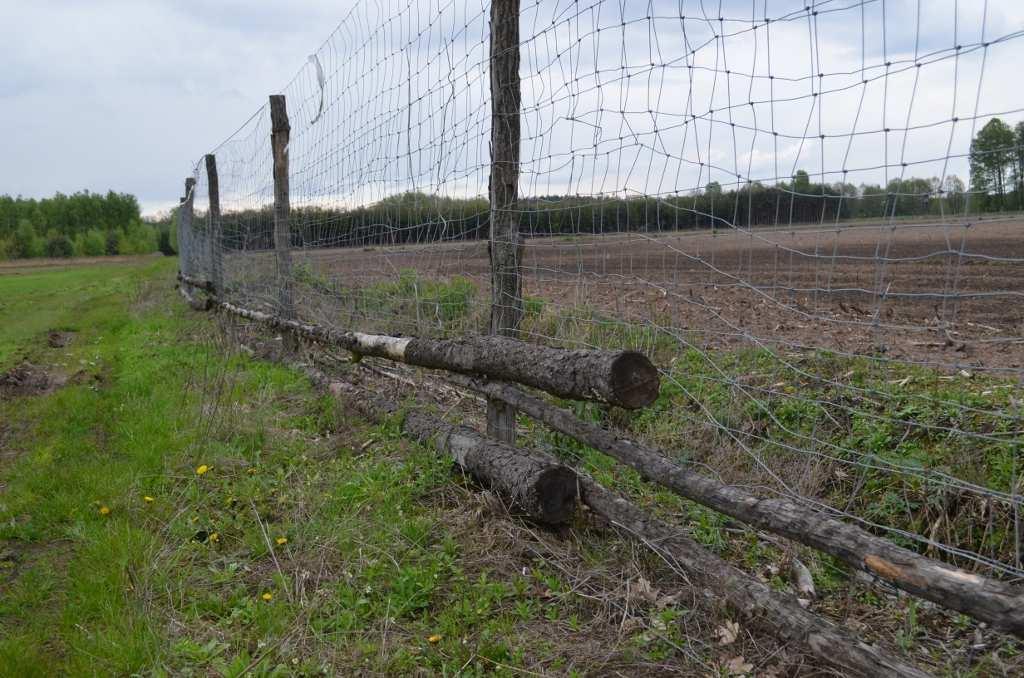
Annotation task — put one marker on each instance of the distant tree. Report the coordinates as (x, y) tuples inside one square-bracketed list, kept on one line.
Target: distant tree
[(26, 242), (92, 244), (1018, 169), (164, 241), (113, 245), (801, 182), (992, 158), (59, 246)]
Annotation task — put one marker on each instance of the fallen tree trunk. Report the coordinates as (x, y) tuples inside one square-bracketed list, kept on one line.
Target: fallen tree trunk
[(757, 603), (545, 490), (998, 603), (623, 378)]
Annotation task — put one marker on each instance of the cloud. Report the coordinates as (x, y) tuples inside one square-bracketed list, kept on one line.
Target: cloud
[(129, 95)]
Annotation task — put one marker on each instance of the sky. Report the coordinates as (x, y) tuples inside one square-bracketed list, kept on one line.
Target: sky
[(125, 94), (129, 95)]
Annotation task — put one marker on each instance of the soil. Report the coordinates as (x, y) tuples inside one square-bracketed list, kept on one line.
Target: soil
[(945, 294), (26, 379)]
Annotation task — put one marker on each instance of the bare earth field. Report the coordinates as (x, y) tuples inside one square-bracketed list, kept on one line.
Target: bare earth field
[(944, 294)]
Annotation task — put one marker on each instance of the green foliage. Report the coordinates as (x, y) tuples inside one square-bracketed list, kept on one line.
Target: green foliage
[(92, 244), (64, 226), (59, 246), (26, 242)]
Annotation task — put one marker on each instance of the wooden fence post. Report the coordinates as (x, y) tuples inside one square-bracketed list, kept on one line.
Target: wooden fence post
[(214, 233), (279, 137), (505, 244), (186, 242)]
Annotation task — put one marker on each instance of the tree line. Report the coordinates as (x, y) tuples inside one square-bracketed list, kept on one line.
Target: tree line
[(996, 184), (90, 224), (82, 224)]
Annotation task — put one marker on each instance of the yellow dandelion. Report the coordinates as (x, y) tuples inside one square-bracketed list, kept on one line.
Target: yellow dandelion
[(436, 638), (104, 511), (202, 469), (281, 541), (214, 537), (148, 499), (268, 596)]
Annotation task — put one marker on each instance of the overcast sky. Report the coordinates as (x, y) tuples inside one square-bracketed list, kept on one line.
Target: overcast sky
[(128, 94), (125, 94)]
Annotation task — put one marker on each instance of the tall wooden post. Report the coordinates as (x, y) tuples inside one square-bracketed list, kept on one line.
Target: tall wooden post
[(505, 244), (186, 243), (279, 137), (214, 233)]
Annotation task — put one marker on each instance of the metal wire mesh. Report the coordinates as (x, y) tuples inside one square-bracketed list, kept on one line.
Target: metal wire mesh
[(788, 205)]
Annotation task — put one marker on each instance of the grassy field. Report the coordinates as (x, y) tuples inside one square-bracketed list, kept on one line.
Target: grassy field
[(172, 505), (168, 507)]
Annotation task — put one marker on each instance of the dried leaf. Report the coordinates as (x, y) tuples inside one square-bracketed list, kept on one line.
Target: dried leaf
[(738, 666), (728, 634)]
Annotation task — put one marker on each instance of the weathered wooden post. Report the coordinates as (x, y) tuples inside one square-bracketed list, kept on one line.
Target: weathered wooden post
[(185, 241), (279, 136), (214, 234), (505, 245)]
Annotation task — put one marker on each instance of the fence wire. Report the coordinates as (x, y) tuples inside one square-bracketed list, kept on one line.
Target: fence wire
[(804, 212)]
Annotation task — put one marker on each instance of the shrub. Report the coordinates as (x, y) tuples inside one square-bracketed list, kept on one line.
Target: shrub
[(59, 246), (113, 242), (92, 244), (26, 242)]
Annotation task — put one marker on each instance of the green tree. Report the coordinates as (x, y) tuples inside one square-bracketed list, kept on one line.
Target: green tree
[(26, 242), (991, 159), (92, 244), (59, 246)]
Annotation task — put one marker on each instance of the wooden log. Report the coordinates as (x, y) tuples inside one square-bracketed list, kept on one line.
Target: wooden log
[(279, 137), (545, 490), (623, 378), (777, 613), (215, 229), (185, 234), (997, 603), (529, 476), (505, 243)]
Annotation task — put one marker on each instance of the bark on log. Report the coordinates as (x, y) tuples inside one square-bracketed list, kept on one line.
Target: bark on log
[(775, 612), (215, 239), (997, 603), (196, 304), (518, 472), (544, 489), (279, 138), (623, 378), (185, 235), (506, 248)]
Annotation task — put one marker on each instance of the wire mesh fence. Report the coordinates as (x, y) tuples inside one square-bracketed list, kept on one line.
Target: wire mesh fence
[(803, 212)]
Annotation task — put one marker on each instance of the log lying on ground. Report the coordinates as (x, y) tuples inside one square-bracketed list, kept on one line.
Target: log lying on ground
[(545, 490), (998, 603), (195, 304), (623, 378), (775, 612)]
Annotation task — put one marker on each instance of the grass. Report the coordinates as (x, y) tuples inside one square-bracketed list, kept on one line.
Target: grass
[(175, 508)]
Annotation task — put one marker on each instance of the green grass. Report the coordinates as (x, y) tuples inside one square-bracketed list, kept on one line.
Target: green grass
[(313, 544)]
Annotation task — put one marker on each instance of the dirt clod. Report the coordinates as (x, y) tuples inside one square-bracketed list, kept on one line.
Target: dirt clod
[(26, 379), (58, 339)]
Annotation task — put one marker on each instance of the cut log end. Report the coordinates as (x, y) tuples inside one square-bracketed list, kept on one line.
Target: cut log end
[(556, 488), (634, 380)]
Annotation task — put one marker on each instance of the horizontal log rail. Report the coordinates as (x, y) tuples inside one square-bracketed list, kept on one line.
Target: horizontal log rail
[(997, 603), (623, 378), (986, 599), (774, 612), (544, 489)]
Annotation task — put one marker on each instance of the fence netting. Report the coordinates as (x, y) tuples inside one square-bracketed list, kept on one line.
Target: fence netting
[(806, 213)]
